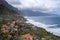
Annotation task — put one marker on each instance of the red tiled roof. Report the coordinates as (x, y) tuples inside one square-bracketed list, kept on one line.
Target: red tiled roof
[(26, 36)]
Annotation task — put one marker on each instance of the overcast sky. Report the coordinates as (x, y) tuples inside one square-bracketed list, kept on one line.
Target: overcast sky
[(37, 5)]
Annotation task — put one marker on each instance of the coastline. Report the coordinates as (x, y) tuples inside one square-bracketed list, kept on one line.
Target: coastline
[(51, 30)]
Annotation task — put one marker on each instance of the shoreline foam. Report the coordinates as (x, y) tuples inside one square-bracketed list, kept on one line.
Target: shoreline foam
[(55, 31)]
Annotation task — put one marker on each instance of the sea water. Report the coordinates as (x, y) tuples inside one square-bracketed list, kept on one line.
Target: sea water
[(50, 23)]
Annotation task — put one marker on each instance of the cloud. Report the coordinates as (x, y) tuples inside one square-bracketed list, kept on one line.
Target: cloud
[(13, 2), (38, 4), (43, 5)]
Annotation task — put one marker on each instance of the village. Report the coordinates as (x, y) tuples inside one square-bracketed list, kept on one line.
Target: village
[(19, 30), (13, 25)]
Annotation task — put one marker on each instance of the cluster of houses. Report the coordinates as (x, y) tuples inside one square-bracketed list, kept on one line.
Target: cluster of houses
[(30, 37), (11, 26)]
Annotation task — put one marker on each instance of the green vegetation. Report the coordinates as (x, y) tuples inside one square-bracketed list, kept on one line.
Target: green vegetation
[(38, 32), (5, 13), (25, 28)]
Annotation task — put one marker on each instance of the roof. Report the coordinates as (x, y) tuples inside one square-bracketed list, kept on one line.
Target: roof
[(26, 36), (4, 25)]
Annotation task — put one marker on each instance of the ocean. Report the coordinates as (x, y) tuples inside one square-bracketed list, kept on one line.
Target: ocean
[(50, 23)]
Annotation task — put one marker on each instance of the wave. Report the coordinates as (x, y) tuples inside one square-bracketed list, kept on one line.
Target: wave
[(55, 31), (39, 24)]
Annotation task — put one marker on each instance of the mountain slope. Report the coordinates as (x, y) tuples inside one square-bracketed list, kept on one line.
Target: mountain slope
[(8, 12)]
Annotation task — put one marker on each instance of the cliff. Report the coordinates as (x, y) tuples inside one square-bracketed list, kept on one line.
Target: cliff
[(9, 12)]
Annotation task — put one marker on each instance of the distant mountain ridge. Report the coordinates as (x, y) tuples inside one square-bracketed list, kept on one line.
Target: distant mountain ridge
[(35, 13)]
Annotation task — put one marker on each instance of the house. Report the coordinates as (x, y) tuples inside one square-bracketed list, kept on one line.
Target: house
[(4, 26), (48, 37), (16, 26), (19, 21), (34, 28), (43, 38), (4, 30), (27, 37), (9, 22), (35, 37)]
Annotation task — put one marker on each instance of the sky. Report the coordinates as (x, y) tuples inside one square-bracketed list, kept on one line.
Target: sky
[(46, 6)]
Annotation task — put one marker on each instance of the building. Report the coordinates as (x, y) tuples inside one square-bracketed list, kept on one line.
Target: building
[(4, 26), (35, 37), (4, 30), (27, 37), (43, 38)]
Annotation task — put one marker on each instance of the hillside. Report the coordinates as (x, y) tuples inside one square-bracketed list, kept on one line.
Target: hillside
[(15, 27), (8, 12)]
